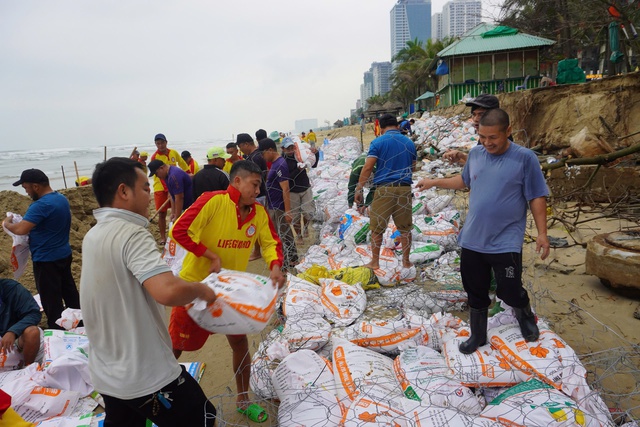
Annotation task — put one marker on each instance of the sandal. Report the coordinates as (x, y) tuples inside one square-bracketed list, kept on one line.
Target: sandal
[(255, 413)]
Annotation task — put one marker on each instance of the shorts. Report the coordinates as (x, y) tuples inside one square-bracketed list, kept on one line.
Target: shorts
[(391, 201), (185, 333), (302, 203), (160, 197)]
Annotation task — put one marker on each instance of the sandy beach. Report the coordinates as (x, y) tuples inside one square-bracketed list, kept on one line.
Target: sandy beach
[(596, 321)]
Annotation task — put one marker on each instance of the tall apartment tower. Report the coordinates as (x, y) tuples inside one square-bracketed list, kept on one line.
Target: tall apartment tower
[(381, 77), (436, 27), (459, 16), (410, 19)]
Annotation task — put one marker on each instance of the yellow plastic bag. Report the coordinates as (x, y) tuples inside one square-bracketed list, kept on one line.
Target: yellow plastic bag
[(352, 275)]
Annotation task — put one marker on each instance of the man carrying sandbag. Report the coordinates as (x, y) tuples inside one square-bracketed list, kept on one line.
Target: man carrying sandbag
[(124, 285), (219, 230)]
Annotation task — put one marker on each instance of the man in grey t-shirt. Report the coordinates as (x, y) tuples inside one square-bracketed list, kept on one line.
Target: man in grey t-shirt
[(124, 286)]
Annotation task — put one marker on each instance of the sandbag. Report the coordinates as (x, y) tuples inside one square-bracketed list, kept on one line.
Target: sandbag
[(305, 386), (173, 254), (58, 343), (354, 228), (545, 406), (245, 302), (302, 299), (385, 336), (373, 412), (342, 303), (19, 248), (360, 371), (70, 318), (484, 367), (306, 333), (422, 252), (264, 362)]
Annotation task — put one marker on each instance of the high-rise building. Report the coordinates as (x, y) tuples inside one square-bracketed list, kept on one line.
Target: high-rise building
[(410, 20), (459, 16), (381, 77), (366, 89), (436, 27)]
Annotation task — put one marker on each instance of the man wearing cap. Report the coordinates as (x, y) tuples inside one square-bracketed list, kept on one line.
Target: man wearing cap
[(279, 199), (232, 151), (300, 193), (193, 165), (248, 147), (143, 160), (394, 156), (479, 105), (48, 222), (178, 184), (160, 192), (211, 177)]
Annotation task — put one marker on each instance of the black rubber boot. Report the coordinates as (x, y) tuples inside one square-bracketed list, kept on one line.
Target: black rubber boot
[(478, 323), (527, 321)]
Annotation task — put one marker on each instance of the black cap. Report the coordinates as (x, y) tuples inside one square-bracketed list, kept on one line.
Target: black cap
[(267, 143), (161, 137), (185, 154), (244, 137), (32, 176), (154, 165), (486, 101)]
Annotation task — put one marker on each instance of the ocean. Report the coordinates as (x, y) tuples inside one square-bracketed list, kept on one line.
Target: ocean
[(52, 161)]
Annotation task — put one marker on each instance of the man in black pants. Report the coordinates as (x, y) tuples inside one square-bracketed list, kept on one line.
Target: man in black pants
[(48, 222)]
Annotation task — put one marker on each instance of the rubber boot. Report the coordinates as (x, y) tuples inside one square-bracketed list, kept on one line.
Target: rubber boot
[(478, 323), (527, 321)]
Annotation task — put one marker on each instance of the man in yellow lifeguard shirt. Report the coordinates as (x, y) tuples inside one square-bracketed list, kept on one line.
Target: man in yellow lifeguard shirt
[(160, 192), (219, 230)]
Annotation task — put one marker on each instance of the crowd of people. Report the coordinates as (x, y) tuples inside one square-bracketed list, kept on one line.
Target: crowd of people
[(253, 198)]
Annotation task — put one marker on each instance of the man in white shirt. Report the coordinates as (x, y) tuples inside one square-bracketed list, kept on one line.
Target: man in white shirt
[(124, 285)]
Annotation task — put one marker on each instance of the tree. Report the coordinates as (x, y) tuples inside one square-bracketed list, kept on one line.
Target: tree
[(411, 77)]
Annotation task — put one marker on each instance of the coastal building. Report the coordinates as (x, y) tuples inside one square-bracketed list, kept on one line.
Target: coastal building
[(487, 59), (436, 27), (377, 81), (410, 20), (460, 16)]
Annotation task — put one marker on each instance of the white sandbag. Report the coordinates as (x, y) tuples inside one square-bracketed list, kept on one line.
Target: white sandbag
[(58, 343), (386, 336), (389, 271), (316, 254), (438, 203), (69, 371), (360, 371), (435, 229), (545, 406), (35, 403), (19, 247), (306, 333), (264, 363), (426, 415), (422, 252), (415, 364), (173, 254), (72, 421), (439, 326), (245, 302), (354, 228), (306, 388), (342, 303), (69, 318), (374, 412), (391, 238), (302, 299), (484, 367)]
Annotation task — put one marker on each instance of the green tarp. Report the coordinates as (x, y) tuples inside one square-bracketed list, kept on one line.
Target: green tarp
[(502, 30), (569, 72)]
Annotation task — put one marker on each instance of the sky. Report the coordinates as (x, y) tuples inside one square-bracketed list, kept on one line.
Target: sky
[(95, 73)]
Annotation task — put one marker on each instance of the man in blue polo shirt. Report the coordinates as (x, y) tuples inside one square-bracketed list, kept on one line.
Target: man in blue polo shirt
[(178, 184), (48, 222), (394, 156)]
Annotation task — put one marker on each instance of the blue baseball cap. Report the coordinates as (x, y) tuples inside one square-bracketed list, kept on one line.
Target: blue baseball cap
[(161, 137)]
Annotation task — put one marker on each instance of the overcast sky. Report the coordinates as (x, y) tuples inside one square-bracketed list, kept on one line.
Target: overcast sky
[(94, 73)]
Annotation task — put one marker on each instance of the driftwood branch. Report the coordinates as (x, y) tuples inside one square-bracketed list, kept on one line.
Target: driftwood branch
[(602, 159)]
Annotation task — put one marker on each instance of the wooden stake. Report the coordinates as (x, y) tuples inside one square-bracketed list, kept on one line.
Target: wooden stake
[(161, 207), (64, 178), (133, 151), (105, 153), (77, 174)]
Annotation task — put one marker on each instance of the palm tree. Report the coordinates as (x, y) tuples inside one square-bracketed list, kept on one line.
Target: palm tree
[(411, 77)]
